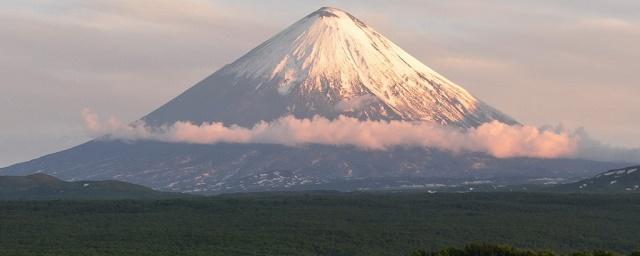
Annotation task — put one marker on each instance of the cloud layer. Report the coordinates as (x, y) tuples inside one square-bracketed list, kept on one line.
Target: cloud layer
[(497, 139)]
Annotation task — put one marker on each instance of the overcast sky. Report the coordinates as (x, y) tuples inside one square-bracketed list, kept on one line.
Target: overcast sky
[(542, 62)]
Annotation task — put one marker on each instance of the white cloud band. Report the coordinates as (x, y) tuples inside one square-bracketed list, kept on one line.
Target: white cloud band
[(497, 139)]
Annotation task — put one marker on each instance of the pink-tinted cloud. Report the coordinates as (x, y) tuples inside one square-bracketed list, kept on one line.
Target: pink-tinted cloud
[(502, 140), (497, 139), (91, 121)]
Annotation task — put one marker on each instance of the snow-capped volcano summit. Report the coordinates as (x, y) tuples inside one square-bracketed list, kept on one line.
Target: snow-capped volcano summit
[(328, 63)]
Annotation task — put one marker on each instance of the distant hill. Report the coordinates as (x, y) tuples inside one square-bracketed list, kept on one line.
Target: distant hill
[(613, 181), (40, 186)]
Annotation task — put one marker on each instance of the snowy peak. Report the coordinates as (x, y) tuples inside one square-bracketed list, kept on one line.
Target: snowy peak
[(320, 44), (330, 12), (330, 63)]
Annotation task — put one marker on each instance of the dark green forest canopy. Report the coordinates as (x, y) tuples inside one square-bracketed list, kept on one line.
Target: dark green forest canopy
[(321, 223), (505, 250)]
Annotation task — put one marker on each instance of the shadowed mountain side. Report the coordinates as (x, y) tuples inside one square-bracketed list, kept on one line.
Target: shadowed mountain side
[(221, 167), (622, 180)]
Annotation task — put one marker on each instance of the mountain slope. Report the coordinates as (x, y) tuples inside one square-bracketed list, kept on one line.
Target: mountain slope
[(41, 186), (329, 63), (257, 167), (613, 181)]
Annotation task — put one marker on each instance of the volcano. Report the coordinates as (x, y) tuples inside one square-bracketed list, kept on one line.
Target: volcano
[(327, 64)]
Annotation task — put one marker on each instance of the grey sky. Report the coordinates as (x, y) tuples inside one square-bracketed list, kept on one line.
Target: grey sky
[(542, 62)]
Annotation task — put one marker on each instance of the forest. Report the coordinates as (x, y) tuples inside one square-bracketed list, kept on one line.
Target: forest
[(326, 223), (504, 250)]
